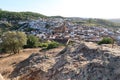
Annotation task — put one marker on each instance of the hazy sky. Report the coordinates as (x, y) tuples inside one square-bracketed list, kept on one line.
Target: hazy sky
[(68, 8)]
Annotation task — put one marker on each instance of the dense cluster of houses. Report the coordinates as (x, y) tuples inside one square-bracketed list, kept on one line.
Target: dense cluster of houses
[(59, 28)]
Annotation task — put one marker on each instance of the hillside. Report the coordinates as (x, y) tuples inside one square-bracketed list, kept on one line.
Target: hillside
[(115, 20), (96, 22), (8, 63), (9, 20), (11, 16)]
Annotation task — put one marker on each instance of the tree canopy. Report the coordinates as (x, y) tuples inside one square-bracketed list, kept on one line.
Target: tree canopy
[(13, 41)]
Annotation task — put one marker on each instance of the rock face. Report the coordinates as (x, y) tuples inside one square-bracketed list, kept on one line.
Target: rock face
[(1, 78), (76, 62), (36, 63)]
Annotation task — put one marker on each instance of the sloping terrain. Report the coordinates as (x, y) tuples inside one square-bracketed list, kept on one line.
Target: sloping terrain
[(84, 61), (9, 62)]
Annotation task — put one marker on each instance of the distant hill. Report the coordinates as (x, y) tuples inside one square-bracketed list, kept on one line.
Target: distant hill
[(106, 23), (8, 15), (56, 17), (96, 22), (13, 18), (115, 20)]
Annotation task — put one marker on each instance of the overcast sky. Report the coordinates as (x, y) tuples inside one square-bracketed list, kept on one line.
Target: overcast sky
[(68, 8)]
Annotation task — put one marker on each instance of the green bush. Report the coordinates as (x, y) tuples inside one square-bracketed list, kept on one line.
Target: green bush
[(45, 45), (106, 40), (32, 41), (49, 45), (2, 50), (52, 45)]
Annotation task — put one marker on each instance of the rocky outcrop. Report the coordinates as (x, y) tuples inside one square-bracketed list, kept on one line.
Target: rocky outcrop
[(76, 62), (34, 64)]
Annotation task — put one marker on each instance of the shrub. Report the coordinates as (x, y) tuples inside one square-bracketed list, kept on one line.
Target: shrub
[(49, 45), (52, 45), (106, 40), (32, 41), (45, 45), (2, 50)]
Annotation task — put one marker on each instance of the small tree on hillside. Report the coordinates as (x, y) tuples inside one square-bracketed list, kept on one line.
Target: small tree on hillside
[(32, 41), (13, 41)]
